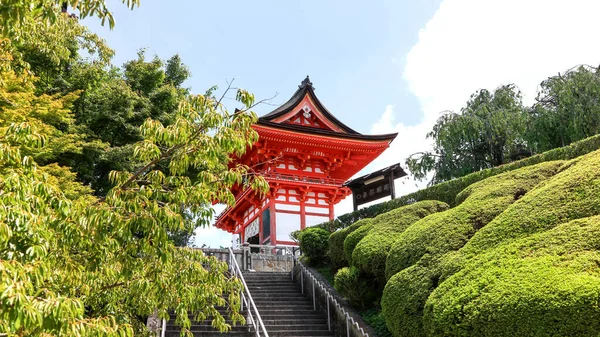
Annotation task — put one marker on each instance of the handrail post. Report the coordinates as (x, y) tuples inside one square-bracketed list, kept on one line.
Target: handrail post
[(163, 329), (302, 279), (347, 326), (328, 315), (313, 291), (258, 323)]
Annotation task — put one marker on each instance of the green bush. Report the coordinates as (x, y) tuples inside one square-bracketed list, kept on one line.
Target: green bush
[(354, 238), (547, 284), (448, 190), (574, 193), (374, 318), (413, 263), (450, 230), (336, 244), (371, 252), (354, 287), (314, 243)]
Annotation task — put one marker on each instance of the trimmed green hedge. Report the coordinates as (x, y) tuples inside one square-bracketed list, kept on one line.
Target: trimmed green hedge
[(571, 194), (336, 244), (354, 238), (371, 252), (354, 288), (547, 284), (314, 243), (450, 230), (447, 191), (413, 262)]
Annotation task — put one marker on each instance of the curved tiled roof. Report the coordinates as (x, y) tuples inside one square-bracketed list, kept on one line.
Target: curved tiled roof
[(304, 88)]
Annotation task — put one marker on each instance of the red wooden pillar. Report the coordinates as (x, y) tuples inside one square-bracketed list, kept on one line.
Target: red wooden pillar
[(331, 213), (302, 214), (273, 222)]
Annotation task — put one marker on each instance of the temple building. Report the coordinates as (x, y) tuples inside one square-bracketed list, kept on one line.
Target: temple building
[(306, 155)]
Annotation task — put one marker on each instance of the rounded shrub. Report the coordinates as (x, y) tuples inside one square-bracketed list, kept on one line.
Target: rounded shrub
[(370, 254), (314, 243), (354, 287), (413, 264), (336, 244), (572, 194), (446, 231), (547, 284), (354, 238)]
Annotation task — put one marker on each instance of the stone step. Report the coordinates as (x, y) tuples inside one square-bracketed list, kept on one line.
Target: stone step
[(275, 287), (287, 283), (265, 273), (208, 325), (290, 299), (296, 327), (283, 303), (306, 316), (177, 333), (283, 309), (261, 294), (293, 321), (298, 333), (262, 308)]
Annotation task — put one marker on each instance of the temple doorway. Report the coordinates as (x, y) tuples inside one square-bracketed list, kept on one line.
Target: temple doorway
[(254, 240)]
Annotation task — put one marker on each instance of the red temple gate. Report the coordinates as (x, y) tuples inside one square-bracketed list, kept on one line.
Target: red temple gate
[(306, 155)]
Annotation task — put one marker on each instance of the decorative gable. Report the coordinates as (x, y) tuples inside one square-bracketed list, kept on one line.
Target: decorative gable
[(306, 114), (306, 117), (304, 109)]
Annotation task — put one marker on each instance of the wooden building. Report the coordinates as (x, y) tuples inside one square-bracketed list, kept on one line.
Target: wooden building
[(306, 155)]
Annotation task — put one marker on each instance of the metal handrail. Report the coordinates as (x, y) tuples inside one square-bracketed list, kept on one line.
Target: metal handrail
[(349, 319), (247, 298)]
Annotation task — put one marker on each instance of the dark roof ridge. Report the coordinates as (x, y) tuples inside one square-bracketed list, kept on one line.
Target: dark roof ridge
[(306, 87), (309, 130)]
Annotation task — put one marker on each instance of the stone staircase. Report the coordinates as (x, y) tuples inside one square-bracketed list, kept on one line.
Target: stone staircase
[(205, 328), (285, 311)]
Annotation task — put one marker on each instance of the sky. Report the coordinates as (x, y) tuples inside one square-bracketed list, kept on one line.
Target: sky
[(378, 66)]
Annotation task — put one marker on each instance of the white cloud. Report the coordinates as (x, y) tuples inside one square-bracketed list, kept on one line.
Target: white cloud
[(474, 44)]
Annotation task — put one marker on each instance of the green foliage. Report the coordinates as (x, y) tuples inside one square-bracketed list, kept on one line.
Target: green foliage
[(413, 266), (326, 273), (448, 190), (374, 318), (566, 110), (176, 72), (354, 287), (354, 237), (573, 193), (371, 252), (314, 244), (336, 244), (72, 264), (546, 284), (14, 13), (483, 135)]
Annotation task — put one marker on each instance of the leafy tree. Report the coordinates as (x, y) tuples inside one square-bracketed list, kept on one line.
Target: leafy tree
[(15, 13), (74, 264), (482, 135), (111, 103), (567, 109)]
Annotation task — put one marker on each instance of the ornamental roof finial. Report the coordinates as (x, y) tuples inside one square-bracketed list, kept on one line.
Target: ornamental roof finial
[(305, 83)]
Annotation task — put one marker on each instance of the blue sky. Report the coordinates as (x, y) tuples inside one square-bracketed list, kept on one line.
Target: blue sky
[(379, 66), (353, 50)]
